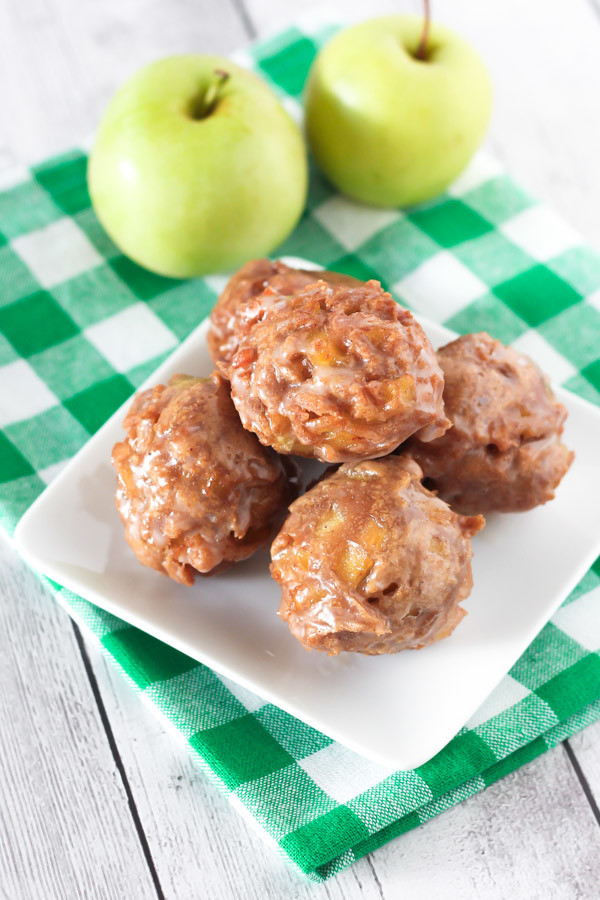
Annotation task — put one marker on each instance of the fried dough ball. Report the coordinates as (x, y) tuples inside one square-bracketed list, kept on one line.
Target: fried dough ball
[(247, 283), (503, 452), (337, 372), (369, 561), (195, 491)]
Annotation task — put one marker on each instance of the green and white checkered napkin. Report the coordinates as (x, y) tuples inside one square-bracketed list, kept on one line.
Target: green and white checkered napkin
[(81, 326)]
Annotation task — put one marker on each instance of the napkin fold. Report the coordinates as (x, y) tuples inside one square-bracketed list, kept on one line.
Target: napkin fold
[(81, 326)]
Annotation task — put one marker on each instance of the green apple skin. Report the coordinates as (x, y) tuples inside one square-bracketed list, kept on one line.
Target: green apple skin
[(185, 196), (387, 128)]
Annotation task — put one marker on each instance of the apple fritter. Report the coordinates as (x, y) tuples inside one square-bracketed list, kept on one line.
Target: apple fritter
[(369, 561)]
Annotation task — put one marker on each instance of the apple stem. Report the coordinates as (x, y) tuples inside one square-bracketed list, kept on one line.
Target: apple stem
[(209, 101), (422, 48)]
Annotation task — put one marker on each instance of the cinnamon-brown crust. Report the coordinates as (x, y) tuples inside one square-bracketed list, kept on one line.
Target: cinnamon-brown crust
[(369, 561), (195, 491), (337, 372), (249, 282), (503, 452)]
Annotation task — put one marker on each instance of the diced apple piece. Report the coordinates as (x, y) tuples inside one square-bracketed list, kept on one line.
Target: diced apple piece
[(376, 336), (284, 442), (373, 534), (302, 558), (330, 522), (438, 546), (339, 440), (401, 390), (324, 352), (353, 564)]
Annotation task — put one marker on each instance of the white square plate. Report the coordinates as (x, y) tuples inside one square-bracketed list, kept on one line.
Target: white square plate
[(397, 710)]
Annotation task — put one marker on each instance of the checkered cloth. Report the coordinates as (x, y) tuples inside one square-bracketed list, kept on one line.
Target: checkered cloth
[(81, 326)]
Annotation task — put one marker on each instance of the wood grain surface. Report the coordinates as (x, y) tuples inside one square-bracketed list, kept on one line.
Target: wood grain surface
[(96, 799)]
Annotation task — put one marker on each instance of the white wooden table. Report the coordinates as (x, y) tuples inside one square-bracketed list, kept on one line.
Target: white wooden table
[(96, 801)]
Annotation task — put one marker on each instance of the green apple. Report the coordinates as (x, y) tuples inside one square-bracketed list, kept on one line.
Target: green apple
[(197, 167), (388, 127)]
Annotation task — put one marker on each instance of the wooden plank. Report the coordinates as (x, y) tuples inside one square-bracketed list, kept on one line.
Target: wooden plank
[(195, 835), (61, 61), (64, 819), (530, 836), (196, 838), (586, 748), (545, 67)]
